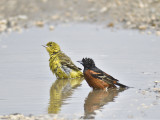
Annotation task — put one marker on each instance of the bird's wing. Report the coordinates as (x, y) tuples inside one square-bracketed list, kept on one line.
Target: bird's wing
[(66, 61), (97, 73)]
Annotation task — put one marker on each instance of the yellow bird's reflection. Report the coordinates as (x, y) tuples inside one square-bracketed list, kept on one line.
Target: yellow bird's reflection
[(97, 99), (61, 90)]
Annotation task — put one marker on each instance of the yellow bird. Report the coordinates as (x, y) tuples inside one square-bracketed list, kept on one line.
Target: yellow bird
[(60, 64)]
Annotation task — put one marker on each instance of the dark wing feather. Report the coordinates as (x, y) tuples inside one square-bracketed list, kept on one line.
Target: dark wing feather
[(66, 61), (97, 73)]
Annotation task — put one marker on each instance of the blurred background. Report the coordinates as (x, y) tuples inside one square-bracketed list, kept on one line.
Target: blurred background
[(137, 14)]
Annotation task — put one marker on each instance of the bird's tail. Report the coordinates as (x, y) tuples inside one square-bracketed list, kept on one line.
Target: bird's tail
[(121, 85)]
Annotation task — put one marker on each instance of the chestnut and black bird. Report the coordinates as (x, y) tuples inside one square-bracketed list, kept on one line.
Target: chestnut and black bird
[(96, 78)]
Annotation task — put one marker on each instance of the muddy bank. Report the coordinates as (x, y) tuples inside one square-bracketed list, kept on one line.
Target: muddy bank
[(137, 14)]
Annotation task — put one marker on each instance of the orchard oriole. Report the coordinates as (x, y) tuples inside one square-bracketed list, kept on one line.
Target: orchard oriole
[(96, 78), (60, 64)]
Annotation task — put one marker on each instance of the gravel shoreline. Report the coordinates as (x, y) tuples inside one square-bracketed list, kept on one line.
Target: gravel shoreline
[(31, 117), (138, 14)]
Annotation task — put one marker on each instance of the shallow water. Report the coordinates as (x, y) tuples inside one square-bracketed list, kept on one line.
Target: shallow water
[(28, 86)]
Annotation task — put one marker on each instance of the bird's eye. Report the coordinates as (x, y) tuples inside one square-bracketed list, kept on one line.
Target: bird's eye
[(50, 45)]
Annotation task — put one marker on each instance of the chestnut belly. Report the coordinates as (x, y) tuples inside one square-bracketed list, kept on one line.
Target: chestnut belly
[(95, 83)]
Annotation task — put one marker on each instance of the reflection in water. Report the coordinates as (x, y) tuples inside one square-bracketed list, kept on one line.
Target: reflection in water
[(97, 99), (61, 90)]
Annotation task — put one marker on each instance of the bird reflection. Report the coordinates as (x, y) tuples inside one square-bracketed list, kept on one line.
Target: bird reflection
[(60, 91), (97, 99)]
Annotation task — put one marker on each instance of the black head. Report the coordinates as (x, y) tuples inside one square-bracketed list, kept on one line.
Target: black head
[(87, 63)]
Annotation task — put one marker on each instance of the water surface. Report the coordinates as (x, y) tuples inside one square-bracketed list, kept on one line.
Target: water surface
[(28, 86)]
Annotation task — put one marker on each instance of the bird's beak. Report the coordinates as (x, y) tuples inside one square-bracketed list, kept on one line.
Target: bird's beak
[(80, 62), (44, 46)]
